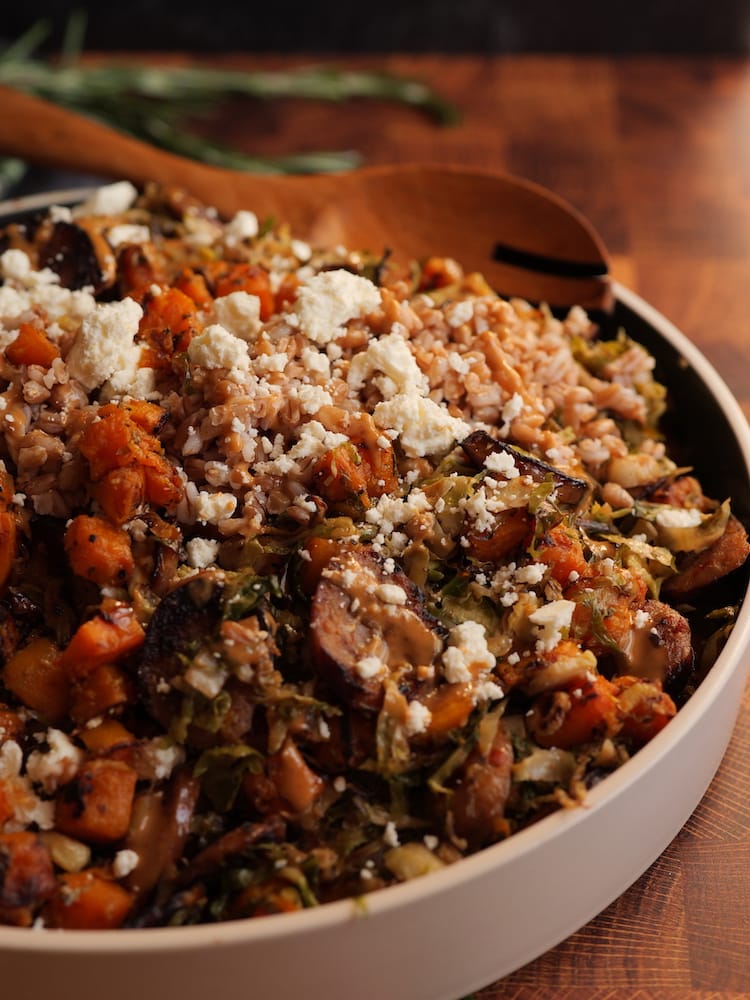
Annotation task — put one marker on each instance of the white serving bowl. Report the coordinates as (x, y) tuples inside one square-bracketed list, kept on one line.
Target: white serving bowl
[(454, 931)]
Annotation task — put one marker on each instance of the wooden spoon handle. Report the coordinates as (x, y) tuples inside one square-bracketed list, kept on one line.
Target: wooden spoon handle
[(526, 241), (44, 133)]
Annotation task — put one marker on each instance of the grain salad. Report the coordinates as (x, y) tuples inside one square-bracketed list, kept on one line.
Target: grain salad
[(319, 570)]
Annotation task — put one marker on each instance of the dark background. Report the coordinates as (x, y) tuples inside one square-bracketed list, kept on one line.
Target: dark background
[(486, 26)]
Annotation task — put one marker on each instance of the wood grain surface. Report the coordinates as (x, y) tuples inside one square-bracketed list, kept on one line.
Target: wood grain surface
[(656, 153)]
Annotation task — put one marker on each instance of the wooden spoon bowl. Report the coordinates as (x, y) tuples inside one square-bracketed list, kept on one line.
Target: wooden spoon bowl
[(525, 240)]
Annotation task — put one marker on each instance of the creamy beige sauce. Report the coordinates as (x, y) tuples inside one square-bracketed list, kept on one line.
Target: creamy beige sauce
[(646, 654), (406, 638)]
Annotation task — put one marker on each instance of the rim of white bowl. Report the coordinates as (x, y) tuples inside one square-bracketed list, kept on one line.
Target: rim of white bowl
[(392, 898)]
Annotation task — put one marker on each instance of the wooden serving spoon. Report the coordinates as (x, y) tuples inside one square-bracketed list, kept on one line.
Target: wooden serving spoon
[(525, 240)]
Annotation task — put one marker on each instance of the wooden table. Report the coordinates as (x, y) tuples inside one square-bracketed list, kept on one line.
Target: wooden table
[(657, 154)]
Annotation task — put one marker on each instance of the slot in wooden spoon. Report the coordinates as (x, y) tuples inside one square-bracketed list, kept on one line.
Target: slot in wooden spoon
[(525, 240)]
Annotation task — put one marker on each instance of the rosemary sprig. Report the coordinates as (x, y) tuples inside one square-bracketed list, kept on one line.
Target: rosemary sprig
[(153, 103)]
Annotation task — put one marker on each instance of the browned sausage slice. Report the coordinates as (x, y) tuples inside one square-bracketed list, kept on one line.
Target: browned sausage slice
[(366, 622), (698, 569)]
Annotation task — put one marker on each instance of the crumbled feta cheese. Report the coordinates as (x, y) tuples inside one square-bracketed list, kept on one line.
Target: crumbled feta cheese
[(390, 593), (124, 862), (201, 552), (110, 199), (679, 517), (458, 363), (243, 226), (314, 441), (389, 512), (459, 313), (163, 757), (512, 408), (531, 574), (239, 313), (214, 507), (105, 344), (332, 298), (60, 213), (136, 384), (551, 620), (390, 834), (311, 398), (467, 653), (315, 362), (392, 357), (423, 426), (418, 718), (371, 667), (207, 676), (502, 462), (15, 265), (642, 619), (301, 250), (26, 807), (487, 690), (125, 233), (56, 765), (481, 507), (216, 347), (276, 362)]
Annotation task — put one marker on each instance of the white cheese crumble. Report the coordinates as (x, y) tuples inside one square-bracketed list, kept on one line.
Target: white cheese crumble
[(422, 425), (392, 357), (418, 718), (481, 508), (459, 313), (104, 344), (301, 250), (53, 767), (125, 233), (207, 677), (512, 408), (679, 517), (26, 806), (531, 574), (243, 226), (332, 298), (314, 441), (311, 398), (202, 552), (390, 593), (642, 619), (239, 313), (315, 363), (502, 462), (15, 265), (216, 347), (551, 620), (467, 653), (389, 512), (162, 756), (371, 668), (124, 862), (110, 199), (390, 834), (211, 508)]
